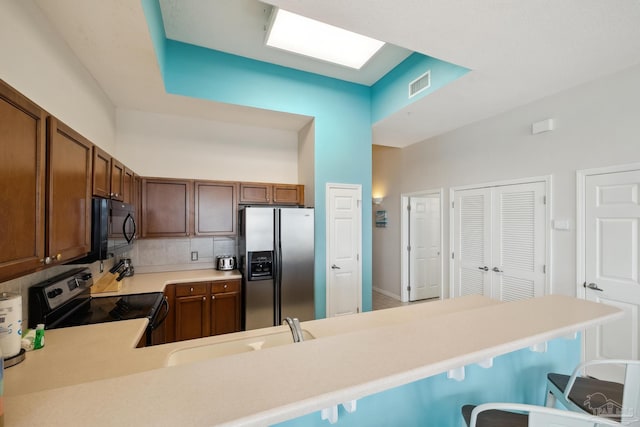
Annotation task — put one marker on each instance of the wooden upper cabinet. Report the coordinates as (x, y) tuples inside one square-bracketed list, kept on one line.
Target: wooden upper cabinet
[(276, 194), (216, 205), (68, 192), (111, 179), (166, 207), (288, 194), (101, 173), (117, 180), (254, 192), (128, 186), (22, 183)]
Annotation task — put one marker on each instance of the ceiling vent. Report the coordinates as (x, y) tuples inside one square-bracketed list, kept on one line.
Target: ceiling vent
[(420, 84)]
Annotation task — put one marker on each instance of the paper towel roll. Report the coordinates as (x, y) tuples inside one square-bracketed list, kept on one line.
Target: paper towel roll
[(10, 323)]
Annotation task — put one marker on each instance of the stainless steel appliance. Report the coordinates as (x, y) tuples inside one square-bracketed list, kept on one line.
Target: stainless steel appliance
[(113, 229), (276, 248), (225, 262), (65, 300)]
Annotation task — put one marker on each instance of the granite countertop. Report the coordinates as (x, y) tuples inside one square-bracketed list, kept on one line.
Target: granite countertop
[(95, 375)]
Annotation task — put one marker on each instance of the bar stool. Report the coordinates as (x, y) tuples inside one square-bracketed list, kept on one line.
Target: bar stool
[(502, 415), (620, 402)]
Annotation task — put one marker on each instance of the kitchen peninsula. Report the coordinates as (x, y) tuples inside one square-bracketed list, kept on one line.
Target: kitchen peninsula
[(351, 358)]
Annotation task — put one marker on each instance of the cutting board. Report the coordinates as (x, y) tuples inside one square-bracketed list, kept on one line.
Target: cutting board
[(107, 283)]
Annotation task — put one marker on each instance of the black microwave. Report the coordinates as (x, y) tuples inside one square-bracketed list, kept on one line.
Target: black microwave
[(113, 229)]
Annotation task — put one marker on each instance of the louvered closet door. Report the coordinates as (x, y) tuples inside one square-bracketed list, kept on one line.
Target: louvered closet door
[(499, 241), (472, 242), (518, 241)]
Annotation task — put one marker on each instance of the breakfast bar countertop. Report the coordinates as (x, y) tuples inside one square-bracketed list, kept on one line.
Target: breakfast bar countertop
[(118, 384)]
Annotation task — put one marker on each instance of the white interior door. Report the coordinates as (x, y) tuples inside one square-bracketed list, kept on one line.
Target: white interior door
[(518, 267), (424, 243), (472, 242), (612, 214), (344, 219)]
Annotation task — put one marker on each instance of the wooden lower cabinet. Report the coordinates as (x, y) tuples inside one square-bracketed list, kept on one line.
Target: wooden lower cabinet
[(202, 309), (225, 307)]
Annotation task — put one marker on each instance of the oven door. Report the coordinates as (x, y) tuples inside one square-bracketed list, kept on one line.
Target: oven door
[(156, 329)]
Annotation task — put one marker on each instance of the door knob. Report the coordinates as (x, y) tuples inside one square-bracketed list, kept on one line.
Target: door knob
[(592, 286), (485, 268), (335, 267), (496, 269)]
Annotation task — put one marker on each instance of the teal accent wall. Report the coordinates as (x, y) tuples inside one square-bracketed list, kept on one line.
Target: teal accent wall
[(518, 377), (391, 93)]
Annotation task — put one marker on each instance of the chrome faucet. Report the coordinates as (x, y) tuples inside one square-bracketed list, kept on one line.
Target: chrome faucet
[(296, 330)]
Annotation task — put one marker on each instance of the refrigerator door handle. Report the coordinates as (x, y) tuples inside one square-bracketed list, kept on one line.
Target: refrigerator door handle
[(277, 277)]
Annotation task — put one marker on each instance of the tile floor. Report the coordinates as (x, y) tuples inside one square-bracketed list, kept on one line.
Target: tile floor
[(381, 301)]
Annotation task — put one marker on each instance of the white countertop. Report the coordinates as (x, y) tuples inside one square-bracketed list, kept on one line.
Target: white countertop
[(114, 383), (155, 282)]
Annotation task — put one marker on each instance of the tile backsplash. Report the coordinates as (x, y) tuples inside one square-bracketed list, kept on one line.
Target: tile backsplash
[(156, 255)]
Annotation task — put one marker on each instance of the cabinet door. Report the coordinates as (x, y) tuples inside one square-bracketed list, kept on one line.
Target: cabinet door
[(128, 186), (22, 174), (165, 207), (225, 307), (69, 192), (117, 180), (101, 173), (287, 194), (225, 313), (251, 192), (216, 206), (192, 317)]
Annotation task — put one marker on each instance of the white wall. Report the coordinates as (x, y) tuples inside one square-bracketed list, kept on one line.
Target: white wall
[(306, 162), (597, 124), (181, 147), (38, 63), (387, 183)]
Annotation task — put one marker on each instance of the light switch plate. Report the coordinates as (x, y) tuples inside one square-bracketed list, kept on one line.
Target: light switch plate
[(561, 224), (194, 256)]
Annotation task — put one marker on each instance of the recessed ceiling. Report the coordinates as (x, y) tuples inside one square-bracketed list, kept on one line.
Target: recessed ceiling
[(518, 52), (239, 27)]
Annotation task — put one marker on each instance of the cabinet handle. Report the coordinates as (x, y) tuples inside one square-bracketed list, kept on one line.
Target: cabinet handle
[(225, 286), (58, 257), (496, 269), (485, 268), (204, 298), (213, 297), (191, 290)]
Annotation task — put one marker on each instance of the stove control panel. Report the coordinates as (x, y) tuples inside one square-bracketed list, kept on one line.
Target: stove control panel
[(60, 291)]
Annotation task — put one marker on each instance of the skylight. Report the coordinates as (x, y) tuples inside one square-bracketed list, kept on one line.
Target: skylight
[(316, 39)]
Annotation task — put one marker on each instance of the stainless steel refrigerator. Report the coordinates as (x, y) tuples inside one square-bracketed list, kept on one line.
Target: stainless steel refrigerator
[(276, 251)]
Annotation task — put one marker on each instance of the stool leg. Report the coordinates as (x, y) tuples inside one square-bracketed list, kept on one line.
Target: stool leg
[(550, 398)]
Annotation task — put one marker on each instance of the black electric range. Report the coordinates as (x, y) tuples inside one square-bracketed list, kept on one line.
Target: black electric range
[(65, 300)]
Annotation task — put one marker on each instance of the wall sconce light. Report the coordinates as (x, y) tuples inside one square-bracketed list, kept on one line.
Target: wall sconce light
[(377, 200)]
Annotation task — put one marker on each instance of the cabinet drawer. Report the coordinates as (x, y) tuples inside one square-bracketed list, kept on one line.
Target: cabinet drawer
[(233, 286), (191, 289)]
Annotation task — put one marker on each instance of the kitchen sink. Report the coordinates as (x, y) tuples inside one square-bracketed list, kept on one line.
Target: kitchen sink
[(211, 351)]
